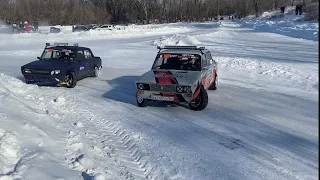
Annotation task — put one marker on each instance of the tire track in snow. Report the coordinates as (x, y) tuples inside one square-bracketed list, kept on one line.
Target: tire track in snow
[(118, 146), (120, 151)]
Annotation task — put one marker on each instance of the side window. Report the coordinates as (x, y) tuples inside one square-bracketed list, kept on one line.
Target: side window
[(87, 54), (204, 63), (80, 55), (208, 57), (54, 54)]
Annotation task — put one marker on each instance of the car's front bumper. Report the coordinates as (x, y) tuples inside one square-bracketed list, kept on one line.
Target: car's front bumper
[(55, 80), (165, 96)]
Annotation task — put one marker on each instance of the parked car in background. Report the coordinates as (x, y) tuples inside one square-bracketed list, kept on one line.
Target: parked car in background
[(105, 27), (80, 28), (55, 30)]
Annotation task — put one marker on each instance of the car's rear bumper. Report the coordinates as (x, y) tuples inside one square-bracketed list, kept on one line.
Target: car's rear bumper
[(165, 96), (45, 80)]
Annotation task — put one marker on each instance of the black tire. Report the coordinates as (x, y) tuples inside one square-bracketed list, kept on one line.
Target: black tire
[(142, 102), (71, 80), (201, 102), (214, 84)]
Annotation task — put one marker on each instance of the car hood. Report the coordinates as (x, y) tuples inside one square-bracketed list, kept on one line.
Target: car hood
[(46, 64), (171, 77)]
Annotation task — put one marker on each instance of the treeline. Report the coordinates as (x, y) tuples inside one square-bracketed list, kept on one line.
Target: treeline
[(67, 12)]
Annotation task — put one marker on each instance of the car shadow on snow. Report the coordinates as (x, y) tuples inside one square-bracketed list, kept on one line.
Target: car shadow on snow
[(124, 90), (86, 176), (21, 78)]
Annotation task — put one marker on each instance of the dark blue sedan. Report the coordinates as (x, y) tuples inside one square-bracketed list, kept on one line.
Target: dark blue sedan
[(62, 64)]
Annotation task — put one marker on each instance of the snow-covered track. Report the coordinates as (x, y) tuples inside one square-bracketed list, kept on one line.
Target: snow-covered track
[(92, 143)]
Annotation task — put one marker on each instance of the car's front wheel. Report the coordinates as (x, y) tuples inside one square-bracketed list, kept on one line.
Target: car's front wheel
[(214, 84), (71, 80), (200, 102), (96, 71), (142, 102)]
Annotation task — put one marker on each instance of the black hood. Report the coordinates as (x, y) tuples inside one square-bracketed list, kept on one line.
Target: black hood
[(47, 64)]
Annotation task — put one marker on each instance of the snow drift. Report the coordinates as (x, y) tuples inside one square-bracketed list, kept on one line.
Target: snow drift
[(287, 24), (176, 40)]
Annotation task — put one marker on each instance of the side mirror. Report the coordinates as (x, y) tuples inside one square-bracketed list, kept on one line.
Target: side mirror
[(38, 58)]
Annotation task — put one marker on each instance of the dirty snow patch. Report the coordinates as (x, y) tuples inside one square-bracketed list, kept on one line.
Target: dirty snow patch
[(78, 124), (83, 161), (59, 100)]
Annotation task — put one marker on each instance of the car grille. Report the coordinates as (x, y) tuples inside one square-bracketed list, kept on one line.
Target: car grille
[(40, 71), (162, 88)]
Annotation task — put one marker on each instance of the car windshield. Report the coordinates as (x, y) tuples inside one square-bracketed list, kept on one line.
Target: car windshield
[(189, 62), (58, 54)]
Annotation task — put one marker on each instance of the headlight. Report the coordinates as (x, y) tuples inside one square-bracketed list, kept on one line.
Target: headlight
[(187, 89), (183, 89), (27, 70), (142, 86), (55, 72), (179, 89)]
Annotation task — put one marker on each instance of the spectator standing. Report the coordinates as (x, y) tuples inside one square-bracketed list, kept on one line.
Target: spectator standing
[(21, 27), (36, 26), (15, 27), (27, 26)]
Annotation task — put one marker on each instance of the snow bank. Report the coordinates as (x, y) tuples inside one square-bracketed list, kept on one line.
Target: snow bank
[(9, 151), (67, 34), (175, 40), (294, 79), (132, 30), (287, 24)]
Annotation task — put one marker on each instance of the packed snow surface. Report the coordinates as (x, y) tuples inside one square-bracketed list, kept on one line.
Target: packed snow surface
[(261, 123)]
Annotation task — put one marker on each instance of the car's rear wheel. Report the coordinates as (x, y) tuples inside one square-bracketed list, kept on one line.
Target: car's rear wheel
[(71, 80), (200, 102), (214, 84)]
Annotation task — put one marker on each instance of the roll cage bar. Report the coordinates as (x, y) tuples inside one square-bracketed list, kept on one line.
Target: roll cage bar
[(182, 47), (60, 44)]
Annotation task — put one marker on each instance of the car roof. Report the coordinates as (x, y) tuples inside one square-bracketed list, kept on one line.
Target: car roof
[(67, 47)]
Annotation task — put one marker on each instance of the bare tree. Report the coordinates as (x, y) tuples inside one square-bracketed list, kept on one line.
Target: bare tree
[(256, 7), (124, 11)]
